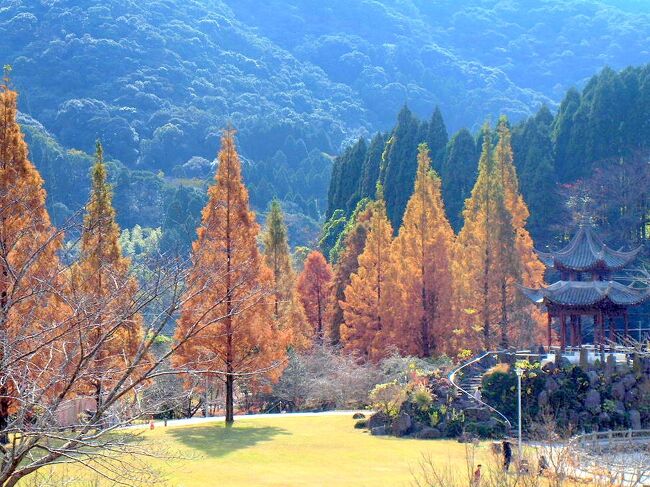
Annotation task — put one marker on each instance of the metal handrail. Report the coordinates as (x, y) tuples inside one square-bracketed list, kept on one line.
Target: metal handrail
[(452, 379)]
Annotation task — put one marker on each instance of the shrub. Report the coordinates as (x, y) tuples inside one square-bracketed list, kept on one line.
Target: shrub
[(388, 398), (361, 424), (422, 398)]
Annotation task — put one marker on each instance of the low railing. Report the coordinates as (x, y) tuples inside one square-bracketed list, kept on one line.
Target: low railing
[(452, 378), (600, 449), (607, 439)]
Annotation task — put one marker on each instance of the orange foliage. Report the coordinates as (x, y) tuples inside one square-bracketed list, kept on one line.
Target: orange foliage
[(315, 290), (105, 290), (31, 312), (366, 308), (228, 308), (422, 274), (494, 252)]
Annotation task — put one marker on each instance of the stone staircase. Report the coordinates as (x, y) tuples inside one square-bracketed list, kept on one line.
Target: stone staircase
[(467, 378)]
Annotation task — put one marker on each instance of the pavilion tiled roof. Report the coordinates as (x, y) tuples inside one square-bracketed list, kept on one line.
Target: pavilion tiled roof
[(587, 293), (586, 252)]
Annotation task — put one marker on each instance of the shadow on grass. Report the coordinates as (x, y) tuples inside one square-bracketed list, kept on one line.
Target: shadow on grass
[(217, 441)]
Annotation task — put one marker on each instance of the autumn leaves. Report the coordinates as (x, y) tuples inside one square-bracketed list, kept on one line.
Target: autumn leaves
[(428, 291)]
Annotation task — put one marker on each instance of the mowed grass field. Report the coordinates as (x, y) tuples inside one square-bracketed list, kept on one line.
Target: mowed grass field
[(288, 451)]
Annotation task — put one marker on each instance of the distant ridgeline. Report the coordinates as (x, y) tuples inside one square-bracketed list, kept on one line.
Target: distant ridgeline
[(156, 81), (592, 156)]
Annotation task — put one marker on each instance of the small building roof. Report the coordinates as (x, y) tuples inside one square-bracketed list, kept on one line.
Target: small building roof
[(587, 293), (587, 252)]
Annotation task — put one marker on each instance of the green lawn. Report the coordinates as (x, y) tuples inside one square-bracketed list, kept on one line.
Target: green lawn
[(292, 451)]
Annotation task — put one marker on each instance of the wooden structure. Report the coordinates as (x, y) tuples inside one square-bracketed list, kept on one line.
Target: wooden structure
[(587, 289)]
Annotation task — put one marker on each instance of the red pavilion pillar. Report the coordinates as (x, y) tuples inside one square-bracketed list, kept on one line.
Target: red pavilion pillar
[(562, 331)]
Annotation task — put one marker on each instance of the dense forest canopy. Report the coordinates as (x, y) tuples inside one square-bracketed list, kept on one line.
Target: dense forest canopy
[(590, 158), (300, 80)]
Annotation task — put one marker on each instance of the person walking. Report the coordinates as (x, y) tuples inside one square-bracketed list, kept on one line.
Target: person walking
[(507, 455), (478, 395)]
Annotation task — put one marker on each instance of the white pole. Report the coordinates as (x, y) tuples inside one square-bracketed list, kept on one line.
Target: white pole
[(519, 373)]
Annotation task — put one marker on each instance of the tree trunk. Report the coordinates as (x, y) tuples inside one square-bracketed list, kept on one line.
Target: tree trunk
[(230, 393), (426, 346), (230, 378), (4, 417), (486, 300), (504, 315)]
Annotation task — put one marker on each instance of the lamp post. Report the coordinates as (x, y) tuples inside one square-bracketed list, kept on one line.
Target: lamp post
[(519, 371)]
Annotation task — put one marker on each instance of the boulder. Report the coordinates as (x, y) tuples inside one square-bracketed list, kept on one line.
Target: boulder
[(401, 424), (618, 390), (542, 399), (379, 431), (477, 414), (592, 401), (549, 367), (635, 419), (631, 395), (629, 381), (429, 434), (358, 416), (378, 419)]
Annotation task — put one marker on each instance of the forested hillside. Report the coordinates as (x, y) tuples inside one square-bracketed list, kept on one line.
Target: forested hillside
[(591, 157), (157, 80)]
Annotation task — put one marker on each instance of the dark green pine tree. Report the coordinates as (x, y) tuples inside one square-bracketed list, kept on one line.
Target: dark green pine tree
[(569, 155), (371, 166), (458, 175), (533, 155), (346, 174), (437, 139), (181, 219), (606, 116), (332, 228), (401, 164)]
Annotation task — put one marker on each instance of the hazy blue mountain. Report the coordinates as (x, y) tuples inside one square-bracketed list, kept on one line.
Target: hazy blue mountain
[(157, 79)]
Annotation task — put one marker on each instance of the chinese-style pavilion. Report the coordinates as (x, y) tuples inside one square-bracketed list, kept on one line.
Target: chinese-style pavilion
[(587, 289)]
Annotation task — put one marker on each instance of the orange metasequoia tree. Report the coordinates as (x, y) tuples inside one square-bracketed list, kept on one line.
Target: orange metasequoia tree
[(366, 309), (479, 253), (423, 274), (32, 314), (494, 252), (104, 291), (287, 311), (521, 262), (228, 308), (315, 289)]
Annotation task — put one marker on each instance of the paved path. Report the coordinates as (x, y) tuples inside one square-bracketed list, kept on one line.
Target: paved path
[(214, 419)]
